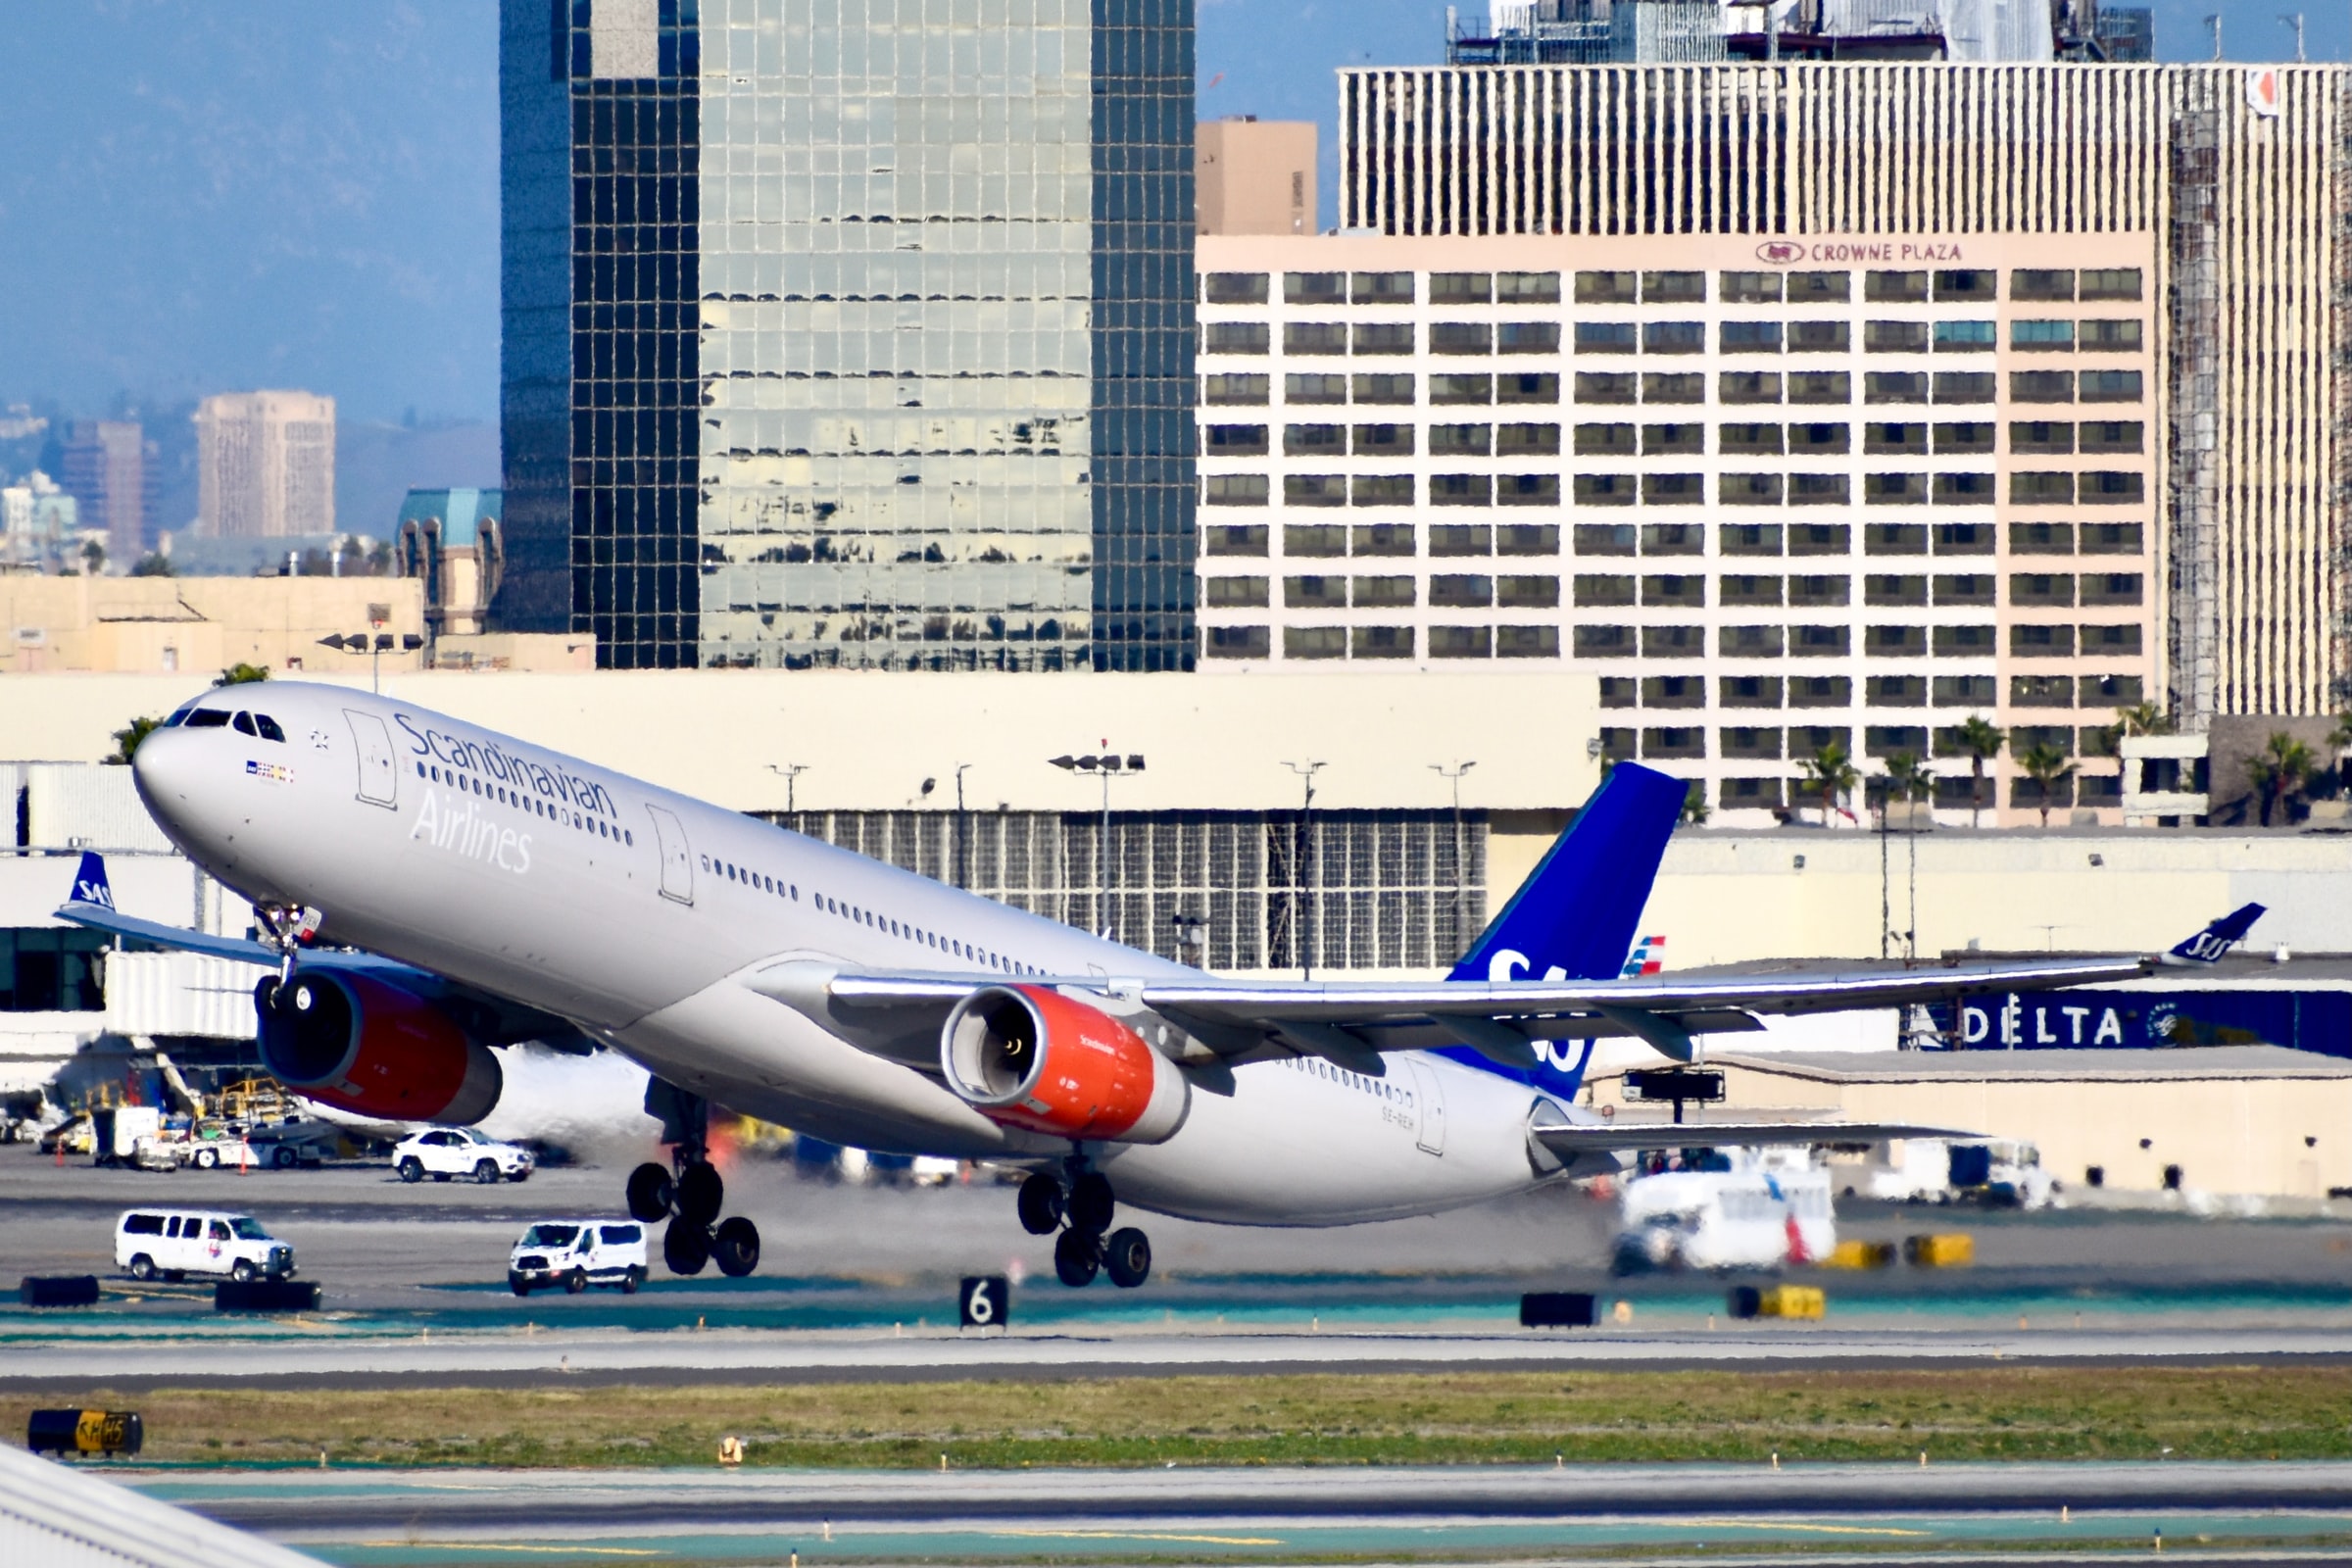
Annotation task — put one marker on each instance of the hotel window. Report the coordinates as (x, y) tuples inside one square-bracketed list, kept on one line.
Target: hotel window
[(1894, 591), (1821, 386), (1819, 642), (1314, 540), (1461, 337), (1964, 538), (1964, 337), (1461, 288), (1315, 337), (1461, 440), (1384, 440), (1383, 538), (1527, 289), (1603, 387), (1759, 744), (1527, 386), (1236, 539), (1461, 389), (2110, 337), (1236, 642), (1750, 288), (2105, 488), (1233, 490), (2111, 386), (1380, 288), (1894, 337), (1314, 642), (1314, 593), (1234, 337), (1747, 589), (1604, 440), (1748, 386), (1528, 490), (1235, 593), (1314, 490), (2028, 283), (2042, 691), (1382, 642), (1674, 337), (1820, 440), (1312, 439), (1749, 337), (1894, 386), (1384, 389), (1749, 538), (1314, 288), (1963, 588), (1820, 591), (2041, 590), (1750, 642), (1896, 440), (1894, 538), (2110, 283), (1818, 490), (1673, 642), (1682, 592), (1662, 388), (1236, 441), (1896, 288), (2049, 386), (1748, 691), (1975, 436), (1465, 539), (1596, 591), (1603, 642), (1820, 288), (1530, 440), (1233, 389), (1384, 337), (1965, 386), (1751, 439), (1528, 539), (2042, 336), (1964, 642), (2113, 588), (2041, 538), (1607, 288), (2041, 642), (1460, 490), (1528, 593), (2112, 539), (1236, 288), (1528, 337), (2114, 436), (1307, 389), (2041, 438), (1605, 538), (1963, 691), (1967, 285), (1820, 539), (1674, 440), (1674, 288)]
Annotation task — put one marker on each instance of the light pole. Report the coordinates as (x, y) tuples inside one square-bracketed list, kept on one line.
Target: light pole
[(963, 870), (1453, 776), (1105, 766), (1307, 923), (791, 772), (383, 642)]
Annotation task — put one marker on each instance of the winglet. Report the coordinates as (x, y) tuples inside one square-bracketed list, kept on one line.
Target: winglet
[(2208, 945), (89, 882)]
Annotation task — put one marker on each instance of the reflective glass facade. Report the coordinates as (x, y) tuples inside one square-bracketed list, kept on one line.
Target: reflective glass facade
[(924, 266)]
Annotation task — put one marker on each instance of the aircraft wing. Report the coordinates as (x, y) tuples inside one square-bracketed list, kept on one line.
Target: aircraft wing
[(1352, 1022), (493, 1019), (1588, 1139)]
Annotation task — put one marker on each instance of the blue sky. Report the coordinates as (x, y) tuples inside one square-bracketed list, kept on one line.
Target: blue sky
[(212, 194)]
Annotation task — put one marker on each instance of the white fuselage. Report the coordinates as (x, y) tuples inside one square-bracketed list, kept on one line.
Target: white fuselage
[(635, 912)]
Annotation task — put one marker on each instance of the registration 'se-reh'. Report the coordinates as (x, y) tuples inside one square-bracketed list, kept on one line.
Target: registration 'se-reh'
[(431, 891)]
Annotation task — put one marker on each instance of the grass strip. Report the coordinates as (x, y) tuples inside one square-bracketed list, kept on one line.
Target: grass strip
[(2254, 1412)]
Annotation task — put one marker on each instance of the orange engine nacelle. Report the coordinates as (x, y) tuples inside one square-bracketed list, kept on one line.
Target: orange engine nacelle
[(364, 1046), (1031, 1057)]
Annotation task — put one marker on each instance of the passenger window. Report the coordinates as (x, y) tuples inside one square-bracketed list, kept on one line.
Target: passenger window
[(220, 1230), (269, 728), (620, 1234), (171, 1229)]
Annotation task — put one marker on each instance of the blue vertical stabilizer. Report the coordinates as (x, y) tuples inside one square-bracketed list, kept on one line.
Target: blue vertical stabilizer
[(1574, 918)]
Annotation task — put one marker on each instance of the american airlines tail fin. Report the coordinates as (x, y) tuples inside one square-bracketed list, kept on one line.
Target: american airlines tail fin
[(2208, 945), (89, 882), (1574, 918)]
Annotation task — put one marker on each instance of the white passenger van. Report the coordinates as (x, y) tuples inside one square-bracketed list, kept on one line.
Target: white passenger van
[(576, 1254), (177, 1242)]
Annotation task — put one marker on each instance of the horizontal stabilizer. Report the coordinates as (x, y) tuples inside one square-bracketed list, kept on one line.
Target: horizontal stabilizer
[(1588, 1139)]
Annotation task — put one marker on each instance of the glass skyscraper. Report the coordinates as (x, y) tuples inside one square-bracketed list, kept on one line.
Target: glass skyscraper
[(851, 334)]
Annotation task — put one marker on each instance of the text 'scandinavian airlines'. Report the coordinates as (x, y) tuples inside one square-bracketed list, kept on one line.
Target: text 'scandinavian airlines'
[(432, 890)]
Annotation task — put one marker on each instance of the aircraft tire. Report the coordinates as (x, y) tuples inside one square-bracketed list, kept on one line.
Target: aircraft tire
[(1077, 1256), (1127, 1257), (1040, 1205), (685, 1246), (1091, 1202), (652, 1194), (701, 1193), (735, 1247)]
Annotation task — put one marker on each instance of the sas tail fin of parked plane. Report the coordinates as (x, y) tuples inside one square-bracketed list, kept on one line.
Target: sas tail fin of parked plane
[(89, 882), (2208, 945), (1575, 916)]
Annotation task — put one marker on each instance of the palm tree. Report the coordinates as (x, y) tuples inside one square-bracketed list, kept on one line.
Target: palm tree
[(1981, 740), (2279, 770), (1832, 772), (1695, 803), (1907, 780), (2144, 718), (2047, 767)]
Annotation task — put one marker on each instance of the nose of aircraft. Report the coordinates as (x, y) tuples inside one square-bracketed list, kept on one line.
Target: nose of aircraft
[(164, 768)]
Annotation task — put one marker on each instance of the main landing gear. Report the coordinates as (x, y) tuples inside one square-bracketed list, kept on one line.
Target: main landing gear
[(1081, 1209), (691, 1201)]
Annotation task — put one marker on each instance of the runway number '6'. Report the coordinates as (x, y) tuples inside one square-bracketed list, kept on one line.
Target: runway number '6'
[(985, 1301)]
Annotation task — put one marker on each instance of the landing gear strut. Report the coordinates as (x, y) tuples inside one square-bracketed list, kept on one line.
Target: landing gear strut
[(691, 1199), (1082, 1210)]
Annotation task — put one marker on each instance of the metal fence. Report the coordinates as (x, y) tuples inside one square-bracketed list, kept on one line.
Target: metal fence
[(1225, 890)]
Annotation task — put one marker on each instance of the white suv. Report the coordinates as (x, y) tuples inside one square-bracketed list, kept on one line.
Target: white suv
[(576, 1254), (445, 1152), (149, 1241)]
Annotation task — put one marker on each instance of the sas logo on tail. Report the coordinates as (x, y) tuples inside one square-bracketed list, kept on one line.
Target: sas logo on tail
[(1648, 957)]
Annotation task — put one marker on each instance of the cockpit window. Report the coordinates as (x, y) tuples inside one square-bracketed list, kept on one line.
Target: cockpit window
[(243, 724), (207, 718), (268, 727)]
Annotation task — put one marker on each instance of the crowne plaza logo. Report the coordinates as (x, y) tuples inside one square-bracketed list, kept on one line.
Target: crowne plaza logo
[(1780, 252)]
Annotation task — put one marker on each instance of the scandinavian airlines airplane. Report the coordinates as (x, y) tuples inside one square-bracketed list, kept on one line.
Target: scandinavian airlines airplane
[(430, 889)]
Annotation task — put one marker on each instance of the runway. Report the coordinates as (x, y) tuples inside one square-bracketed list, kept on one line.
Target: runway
[(291, 1357), (1470, 1513)]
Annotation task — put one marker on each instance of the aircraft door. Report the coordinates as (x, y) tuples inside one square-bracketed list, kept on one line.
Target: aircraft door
[(1429, 1097), (373, 743), (678, 858)]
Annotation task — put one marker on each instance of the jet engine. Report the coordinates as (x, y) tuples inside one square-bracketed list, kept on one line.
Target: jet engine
[(1029, 1057), (368, 1046)]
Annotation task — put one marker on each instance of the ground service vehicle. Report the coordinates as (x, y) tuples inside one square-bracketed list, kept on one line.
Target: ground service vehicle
[(576, 1254), (1725, 1209), (491, 891), (445, 1152), (173, 1243)]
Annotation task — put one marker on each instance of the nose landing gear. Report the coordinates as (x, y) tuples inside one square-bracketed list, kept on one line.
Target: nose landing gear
[(691, 1201), (1082, 1211)]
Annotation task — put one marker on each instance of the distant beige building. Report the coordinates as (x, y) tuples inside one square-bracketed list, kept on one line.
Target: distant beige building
[(1253, 176), (265, 464), (197, 625)]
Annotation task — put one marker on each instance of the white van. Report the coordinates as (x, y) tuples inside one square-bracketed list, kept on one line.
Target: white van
[(177, 1242), (576, 1254), (1729, 1208)]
